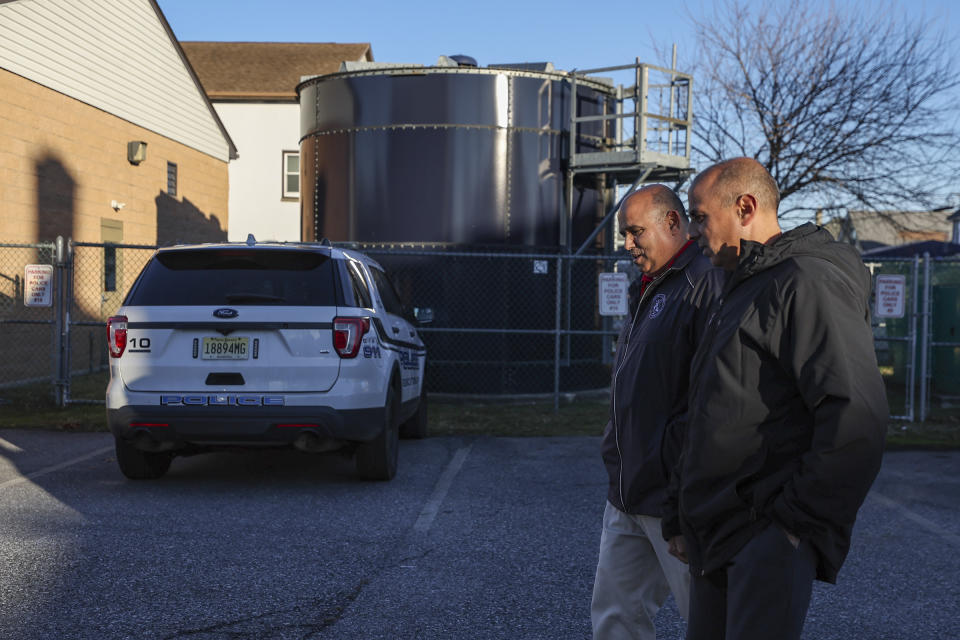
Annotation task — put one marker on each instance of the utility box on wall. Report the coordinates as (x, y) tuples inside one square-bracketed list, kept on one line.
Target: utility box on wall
[(136, 152)]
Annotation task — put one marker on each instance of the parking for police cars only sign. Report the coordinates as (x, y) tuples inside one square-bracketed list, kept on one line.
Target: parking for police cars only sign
[(38, 285), (891, 294), (613, 294)]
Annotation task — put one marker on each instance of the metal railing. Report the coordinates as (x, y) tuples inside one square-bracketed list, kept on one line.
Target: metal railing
[(650, 120)]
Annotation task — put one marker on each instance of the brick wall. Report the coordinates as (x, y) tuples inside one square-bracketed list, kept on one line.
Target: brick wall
[(62, 162)]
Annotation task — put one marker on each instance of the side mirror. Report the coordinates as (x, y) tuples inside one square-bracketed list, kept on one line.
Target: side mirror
[(424, 315)]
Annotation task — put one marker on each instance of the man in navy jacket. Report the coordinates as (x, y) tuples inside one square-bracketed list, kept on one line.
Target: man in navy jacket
[(635, 571)]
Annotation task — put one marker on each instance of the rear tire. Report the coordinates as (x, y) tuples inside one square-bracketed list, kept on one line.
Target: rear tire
[(377, 459), (141, 465), (416, 426)]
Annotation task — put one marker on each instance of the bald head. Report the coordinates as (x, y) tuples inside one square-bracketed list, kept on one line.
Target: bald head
[(732, 202), (732, 178), (653, 224), (659, 198)]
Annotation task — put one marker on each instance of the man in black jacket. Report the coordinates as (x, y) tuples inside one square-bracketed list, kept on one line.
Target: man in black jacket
[(635, 571), (786, 419)]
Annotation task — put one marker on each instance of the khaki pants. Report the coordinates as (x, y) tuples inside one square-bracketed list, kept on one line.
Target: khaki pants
[(635, 574)]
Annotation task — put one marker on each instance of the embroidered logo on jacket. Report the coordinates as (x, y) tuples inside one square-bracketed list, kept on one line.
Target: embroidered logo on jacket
[(659, 302)]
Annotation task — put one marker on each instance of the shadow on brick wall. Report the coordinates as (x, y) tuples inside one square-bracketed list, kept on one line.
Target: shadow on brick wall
[(181, 222), (55, 199)]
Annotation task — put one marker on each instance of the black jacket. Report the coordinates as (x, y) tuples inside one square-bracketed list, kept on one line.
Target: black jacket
[(787, 413), (650, 377)]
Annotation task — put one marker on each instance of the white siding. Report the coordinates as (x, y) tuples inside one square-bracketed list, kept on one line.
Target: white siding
[(115, 55), (264, 131)]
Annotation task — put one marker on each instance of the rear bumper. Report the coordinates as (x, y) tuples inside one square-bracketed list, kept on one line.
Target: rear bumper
[(171, 428)]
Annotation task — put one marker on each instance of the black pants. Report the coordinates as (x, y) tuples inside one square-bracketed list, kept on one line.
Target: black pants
[(763, 593)]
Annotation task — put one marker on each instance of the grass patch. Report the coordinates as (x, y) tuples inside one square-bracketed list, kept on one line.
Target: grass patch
[(582, 418), (73, 418), (31, 407), (942, 433)]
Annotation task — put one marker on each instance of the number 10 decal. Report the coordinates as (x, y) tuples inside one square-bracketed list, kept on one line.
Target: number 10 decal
[(139, 344)]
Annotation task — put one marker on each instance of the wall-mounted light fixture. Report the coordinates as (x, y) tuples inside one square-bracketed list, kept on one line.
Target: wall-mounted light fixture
[(136, 151)]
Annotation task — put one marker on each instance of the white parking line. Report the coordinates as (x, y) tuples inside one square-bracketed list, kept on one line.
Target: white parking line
[(432, 507), (927, 524), (56, 467), (9, 446)]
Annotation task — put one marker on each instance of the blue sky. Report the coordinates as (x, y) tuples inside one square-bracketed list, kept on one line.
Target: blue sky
[(573, 34)]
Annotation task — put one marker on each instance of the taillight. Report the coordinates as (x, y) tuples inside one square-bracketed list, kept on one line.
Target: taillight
[(348, 334), (116, 335)]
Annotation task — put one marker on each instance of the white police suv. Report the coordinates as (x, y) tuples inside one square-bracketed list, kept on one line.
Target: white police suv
[(262, 345)]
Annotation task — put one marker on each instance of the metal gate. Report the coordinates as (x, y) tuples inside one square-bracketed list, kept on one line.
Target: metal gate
[(919, 351), (940, 338), (54, 302), (28, 328), (895, 332)]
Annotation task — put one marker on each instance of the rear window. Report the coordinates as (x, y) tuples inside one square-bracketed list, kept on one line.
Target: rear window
[(236, 277)]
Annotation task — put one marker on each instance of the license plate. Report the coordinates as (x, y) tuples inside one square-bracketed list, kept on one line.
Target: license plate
[(225, 349)]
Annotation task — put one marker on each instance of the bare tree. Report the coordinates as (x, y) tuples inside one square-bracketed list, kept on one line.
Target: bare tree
[(845, 108)]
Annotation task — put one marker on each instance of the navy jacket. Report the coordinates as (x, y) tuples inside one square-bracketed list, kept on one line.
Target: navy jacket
[(650, 378)]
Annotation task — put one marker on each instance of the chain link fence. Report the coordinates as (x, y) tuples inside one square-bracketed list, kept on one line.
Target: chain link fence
[(941, 395), (508, 324), (28, 330), (895, 331), (917, 335), (100, 276), (504, 324)]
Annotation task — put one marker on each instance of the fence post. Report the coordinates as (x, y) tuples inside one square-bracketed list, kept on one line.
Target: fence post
[(925, 337), (68, 305), (912, 341), (60, 349), (556, 337)]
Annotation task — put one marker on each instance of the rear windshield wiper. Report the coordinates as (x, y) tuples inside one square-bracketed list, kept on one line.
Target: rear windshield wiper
[(253, 297)]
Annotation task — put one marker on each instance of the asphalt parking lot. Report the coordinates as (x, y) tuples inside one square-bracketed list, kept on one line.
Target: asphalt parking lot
[(475, 538)]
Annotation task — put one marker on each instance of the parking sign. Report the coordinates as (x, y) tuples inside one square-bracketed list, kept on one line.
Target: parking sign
[(613, 294), (38, 285), (891, 293)]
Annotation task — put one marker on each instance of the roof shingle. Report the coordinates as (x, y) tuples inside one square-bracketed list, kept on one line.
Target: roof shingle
[(891, 228), (266, 70)]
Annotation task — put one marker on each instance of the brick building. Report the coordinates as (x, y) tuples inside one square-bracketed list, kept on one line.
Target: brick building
[(79, 81), (106, 136)]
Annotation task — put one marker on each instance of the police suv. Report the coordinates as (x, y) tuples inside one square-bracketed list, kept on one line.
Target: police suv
[(261, 345)]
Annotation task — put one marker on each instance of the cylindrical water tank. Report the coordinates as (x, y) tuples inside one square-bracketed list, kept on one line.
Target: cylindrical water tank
[(473, 156)]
